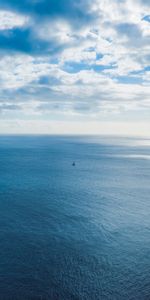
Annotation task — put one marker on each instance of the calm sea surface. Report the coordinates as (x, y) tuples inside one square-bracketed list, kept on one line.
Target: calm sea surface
[(74, 232)]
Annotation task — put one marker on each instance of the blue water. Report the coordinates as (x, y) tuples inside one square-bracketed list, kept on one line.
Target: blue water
[(78, 232)]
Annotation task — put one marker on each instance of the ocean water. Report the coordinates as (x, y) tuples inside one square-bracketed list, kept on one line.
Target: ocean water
[(78, 232)]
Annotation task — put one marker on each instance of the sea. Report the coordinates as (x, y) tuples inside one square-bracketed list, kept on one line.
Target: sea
[(71, 232)]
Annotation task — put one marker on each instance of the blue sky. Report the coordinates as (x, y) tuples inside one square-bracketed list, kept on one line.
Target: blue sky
[(75, 66)]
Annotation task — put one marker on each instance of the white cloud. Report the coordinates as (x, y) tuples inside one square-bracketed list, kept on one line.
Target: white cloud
[(9, 19), (19, 70), (117, 43)]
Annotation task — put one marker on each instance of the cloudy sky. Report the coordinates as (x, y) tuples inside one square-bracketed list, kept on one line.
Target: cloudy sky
[(75, 66)]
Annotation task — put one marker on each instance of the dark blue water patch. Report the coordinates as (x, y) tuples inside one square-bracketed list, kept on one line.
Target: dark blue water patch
[(69, 232)]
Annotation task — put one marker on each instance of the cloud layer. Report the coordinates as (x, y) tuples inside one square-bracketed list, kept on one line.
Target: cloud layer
[(75, 59)]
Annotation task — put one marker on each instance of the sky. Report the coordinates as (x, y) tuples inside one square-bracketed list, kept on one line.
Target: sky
[(75, 66)]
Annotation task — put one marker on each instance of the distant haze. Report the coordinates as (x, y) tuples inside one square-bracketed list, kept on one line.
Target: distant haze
[(100, 128)]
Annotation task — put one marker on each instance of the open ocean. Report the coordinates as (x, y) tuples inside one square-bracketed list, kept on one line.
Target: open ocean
[(74, 232)]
